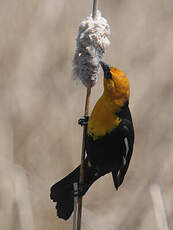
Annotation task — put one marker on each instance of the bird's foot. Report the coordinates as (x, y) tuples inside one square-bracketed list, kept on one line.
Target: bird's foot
[(83, 121)]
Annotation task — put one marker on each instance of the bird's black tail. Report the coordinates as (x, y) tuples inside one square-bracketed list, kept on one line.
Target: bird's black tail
[(62, 191)]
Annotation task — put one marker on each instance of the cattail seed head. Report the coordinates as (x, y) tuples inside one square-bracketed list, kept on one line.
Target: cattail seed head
[(91, 42)]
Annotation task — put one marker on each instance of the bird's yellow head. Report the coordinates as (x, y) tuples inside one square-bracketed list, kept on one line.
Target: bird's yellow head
[(116, 85)]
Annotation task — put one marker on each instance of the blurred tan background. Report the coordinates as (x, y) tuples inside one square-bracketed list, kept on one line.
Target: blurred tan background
[(40, 141)]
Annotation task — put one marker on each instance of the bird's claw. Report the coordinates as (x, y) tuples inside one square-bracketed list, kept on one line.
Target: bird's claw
[(83, 121)]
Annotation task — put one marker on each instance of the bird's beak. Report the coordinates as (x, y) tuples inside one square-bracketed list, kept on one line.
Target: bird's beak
[(104, 65), (106, 70)]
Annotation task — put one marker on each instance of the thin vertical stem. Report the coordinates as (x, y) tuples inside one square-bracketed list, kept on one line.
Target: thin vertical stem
[(81, 178), (94, 8)]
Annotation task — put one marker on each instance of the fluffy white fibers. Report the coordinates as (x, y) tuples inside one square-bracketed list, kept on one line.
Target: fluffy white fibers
[(91, 42)]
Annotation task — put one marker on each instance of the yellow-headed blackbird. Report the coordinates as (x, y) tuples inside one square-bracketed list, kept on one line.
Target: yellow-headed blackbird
[(109, 142)]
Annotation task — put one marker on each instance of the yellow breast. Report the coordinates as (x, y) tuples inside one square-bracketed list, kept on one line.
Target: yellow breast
[(102, 120)]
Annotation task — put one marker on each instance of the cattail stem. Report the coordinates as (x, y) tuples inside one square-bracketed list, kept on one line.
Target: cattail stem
[(81, 179), (86, 113), (94, 8)]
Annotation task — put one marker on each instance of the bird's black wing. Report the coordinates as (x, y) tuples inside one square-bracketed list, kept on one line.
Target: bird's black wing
[(126, 135)]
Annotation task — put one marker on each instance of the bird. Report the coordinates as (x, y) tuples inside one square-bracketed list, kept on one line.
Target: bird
[(109, 141)]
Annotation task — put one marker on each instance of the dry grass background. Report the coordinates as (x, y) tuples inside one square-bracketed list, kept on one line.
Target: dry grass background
[(40, 140)]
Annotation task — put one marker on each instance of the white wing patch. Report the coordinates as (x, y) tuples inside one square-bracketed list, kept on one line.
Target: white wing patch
[(124, 160), (127, 145), (127, 149)]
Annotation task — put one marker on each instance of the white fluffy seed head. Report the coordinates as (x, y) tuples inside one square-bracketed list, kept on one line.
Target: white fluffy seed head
[(91, 42)]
